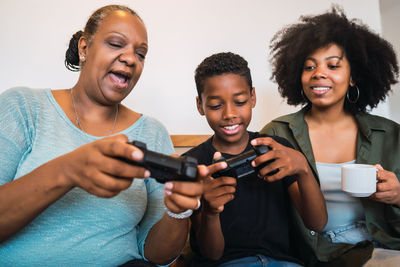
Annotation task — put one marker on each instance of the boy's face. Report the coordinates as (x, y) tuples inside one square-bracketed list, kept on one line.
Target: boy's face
[(227, 103)]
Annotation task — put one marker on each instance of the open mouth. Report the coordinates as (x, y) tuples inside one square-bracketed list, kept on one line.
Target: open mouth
[(119, 78), (231, 129), (320, 90)]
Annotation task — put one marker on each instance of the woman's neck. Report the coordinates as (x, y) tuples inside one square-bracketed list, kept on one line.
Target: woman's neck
[(89, 108), (327, 116)]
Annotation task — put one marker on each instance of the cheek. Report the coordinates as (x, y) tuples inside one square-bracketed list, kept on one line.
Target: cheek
[(304, 78), (212, 115), (342, 79)]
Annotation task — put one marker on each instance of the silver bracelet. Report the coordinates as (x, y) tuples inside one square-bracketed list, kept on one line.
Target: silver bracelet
[(182, 215)]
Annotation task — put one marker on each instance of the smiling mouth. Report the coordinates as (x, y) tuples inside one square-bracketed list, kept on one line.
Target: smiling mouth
[(231, 129), (320, 90)]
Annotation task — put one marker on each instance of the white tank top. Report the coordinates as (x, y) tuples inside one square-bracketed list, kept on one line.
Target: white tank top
[(342, 208)]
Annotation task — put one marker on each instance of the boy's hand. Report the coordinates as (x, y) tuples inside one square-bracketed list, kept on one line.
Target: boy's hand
[(287, 161), (217, 191)]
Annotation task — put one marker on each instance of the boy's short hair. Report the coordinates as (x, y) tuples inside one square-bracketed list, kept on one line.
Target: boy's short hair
[(218, 64)]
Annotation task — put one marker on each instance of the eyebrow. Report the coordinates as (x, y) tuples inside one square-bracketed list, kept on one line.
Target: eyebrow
[(217, 97), (327, 58), (123, 35)]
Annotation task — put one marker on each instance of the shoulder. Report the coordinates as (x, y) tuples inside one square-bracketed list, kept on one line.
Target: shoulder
[(149, 127), (22, 92), (282, 123), (22, 101), (279, 139), (151, 131), (153, 123), (203, 152), (370, 122)]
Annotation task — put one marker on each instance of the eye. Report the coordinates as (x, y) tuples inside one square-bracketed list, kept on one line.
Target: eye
[(241, 103), (115, 44), (214, 107), (333, 66), (308, 68), (141, 53), (142, 56)]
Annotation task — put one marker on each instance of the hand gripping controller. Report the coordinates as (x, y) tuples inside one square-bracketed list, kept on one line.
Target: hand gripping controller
[(166, 168), (240, 165)]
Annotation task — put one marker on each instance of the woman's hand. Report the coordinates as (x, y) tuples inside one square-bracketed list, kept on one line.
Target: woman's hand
[(95, 168), (287, 161), (387, 188), (180, 196)]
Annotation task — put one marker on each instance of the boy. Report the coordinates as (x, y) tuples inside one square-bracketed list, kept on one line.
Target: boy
[(246, 220)]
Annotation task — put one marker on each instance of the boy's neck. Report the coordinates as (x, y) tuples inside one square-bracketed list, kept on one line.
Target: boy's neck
[(233, 148)]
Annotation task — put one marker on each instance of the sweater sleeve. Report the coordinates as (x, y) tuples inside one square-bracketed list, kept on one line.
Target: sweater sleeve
[(16, 130), (155, 191)]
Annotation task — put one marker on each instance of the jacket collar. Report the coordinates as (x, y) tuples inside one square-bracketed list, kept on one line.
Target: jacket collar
[(367, 124)]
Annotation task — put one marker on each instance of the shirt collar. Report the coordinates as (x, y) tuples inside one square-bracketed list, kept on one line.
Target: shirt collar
[(366, 122)]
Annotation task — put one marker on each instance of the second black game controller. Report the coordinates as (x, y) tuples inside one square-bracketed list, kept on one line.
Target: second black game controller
[(166, 168), (240, 165)]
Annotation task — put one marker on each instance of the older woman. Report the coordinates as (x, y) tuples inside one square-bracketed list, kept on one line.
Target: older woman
[(338, 68), (64, 197)]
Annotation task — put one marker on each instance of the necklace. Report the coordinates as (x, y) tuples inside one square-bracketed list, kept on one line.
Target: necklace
[(77, 122)]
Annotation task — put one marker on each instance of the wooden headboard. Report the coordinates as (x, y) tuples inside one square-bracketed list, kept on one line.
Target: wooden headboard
[(183, 143)]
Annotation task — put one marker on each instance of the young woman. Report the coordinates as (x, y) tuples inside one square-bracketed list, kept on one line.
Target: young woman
[(338, 68), (64, 197)]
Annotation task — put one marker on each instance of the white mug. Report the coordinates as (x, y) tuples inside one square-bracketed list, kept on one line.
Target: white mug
[(359, 180)]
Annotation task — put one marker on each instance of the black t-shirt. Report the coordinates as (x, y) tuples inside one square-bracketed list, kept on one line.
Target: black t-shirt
[(256, 220)]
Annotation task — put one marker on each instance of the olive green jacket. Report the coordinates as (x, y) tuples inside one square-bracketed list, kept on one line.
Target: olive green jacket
[(378, 141)]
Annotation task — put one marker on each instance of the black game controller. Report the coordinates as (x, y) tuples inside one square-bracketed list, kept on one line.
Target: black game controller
[(240, 166), (166, 168)]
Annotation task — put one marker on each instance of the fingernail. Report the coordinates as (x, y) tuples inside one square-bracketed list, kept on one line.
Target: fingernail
[(168, 186), (146, 173), (167, 192), (253, 164), (224, 164), (137, 155), (253, 142)]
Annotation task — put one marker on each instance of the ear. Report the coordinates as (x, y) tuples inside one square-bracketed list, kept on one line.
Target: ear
[(352, 83), (253, 97), (199, 106), (83, 46)]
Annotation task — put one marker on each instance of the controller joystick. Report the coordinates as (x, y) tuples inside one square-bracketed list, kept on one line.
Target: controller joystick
[(165, 168), (240, 165)]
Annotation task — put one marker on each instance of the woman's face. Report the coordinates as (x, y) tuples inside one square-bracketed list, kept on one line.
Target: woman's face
[(326, 77), (114, 57)]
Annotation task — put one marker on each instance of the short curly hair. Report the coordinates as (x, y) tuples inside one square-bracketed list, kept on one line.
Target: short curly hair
[(372, 59), (218, 64)]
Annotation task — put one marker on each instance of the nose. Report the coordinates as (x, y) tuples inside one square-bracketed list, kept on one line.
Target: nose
[(128, 57), (319, 73), (229, 112)]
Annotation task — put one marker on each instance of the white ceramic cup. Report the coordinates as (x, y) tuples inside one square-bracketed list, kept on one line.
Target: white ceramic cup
[(359, 180)]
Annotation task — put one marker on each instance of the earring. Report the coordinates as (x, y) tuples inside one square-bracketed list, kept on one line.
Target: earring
[(302, 94), (352, 101), (82, 58)]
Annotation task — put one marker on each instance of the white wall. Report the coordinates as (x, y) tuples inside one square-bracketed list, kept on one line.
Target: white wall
[(390, 13), (35, 35)]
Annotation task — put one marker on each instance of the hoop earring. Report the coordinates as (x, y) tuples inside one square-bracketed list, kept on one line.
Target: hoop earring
[(302, 95), (353, 101)]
